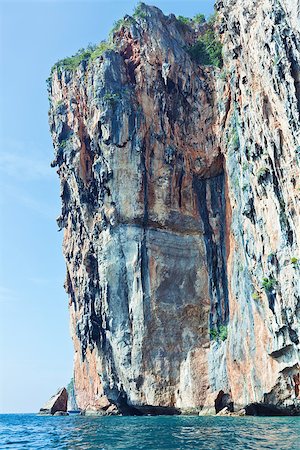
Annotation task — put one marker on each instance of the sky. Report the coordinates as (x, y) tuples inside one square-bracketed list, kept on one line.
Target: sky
[(36, 354)]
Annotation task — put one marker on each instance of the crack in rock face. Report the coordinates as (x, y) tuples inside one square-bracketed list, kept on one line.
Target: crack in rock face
[(180, 211)]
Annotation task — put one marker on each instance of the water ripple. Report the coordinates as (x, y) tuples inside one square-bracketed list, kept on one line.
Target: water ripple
[(32, 432)]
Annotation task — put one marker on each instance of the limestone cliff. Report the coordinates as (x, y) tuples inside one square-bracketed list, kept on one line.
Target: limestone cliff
[(180, 209)]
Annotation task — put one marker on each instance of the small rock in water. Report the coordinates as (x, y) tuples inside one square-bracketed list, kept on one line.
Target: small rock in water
[(224, 412), (57, 403), (112, 410)]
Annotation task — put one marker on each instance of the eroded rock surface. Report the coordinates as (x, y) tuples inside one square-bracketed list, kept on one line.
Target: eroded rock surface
[(180, 200)]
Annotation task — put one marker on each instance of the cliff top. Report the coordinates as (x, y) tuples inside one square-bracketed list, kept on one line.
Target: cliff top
[(197, 34)]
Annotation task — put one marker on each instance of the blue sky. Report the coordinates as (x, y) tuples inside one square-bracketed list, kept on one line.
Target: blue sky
[(35, 344)]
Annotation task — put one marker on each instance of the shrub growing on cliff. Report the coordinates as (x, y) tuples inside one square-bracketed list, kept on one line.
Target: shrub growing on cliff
[(213, 334), (294, 262), (184, 20), (269, 284), (139, 12), (124, 22), (207, 51), (197, 19), (63, 143), (219, 334), (112, 98), (223, 332)]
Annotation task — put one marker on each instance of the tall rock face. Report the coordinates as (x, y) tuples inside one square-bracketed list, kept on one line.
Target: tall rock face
[(260, 140), (180, 210)]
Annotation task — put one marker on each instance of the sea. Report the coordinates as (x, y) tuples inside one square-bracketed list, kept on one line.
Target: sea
[(30, 431)]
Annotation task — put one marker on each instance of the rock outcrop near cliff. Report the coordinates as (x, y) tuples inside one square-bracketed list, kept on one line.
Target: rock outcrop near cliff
[(180, 209), (57, 404)]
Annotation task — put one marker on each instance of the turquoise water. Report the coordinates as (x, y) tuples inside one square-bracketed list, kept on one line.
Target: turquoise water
[(28, 431)]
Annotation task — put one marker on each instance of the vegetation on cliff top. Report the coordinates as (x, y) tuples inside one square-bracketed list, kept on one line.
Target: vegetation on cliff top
[(84, 54), (139, 13), (94, 51), (197, 19), (206, 51)]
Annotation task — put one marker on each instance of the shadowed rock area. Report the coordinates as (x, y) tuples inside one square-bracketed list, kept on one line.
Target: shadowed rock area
[(180, 210)]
